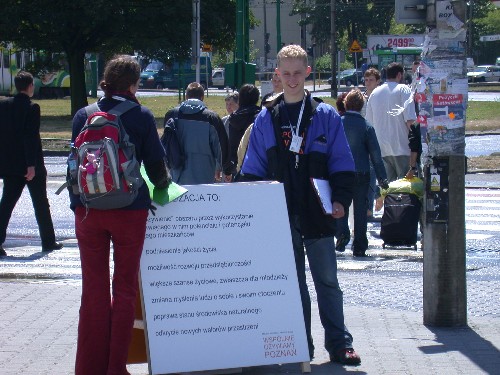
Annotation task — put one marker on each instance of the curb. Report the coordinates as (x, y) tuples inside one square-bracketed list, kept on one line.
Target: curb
[(54, 153), (65, 153), (483, 171)]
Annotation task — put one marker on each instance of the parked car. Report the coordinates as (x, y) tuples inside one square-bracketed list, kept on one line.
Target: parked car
[(484, 73), (348, 77), (218, 78)]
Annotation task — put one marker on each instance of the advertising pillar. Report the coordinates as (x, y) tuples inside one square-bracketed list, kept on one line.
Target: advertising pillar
[(441, 94)]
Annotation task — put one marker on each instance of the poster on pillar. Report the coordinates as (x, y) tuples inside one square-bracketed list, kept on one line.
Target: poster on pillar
[(449, 18), (445, 137), (444, 46), (219, 282), (446, 129), (449, 107)]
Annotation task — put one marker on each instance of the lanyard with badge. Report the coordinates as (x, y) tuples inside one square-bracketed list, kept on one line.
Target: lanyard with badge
[(296, 138)]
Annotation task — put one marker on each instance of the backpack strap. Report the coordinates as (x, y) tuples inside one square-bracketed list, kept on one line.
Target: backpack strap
[(118, 110), (175, 117), (123, 107), (174, 127), (91, 109)]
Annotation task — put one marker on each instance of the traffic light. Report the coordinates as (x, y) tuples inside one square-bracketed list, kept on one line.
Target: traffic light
[(267, 48), (310, 51)]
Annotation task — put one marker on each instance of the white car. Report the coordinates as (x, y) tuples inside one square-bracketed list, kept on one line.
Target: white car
[(484, 73), (218, 78)]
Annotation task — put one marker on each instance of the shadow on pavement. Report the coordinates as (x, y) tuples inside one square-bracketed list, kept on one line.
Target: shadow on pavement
[(467, 342)]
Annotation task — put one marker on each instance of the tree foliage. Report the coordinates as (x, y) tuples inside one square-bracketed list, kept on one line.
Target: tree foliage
[(355, 19), (485, 21), (154, 28)]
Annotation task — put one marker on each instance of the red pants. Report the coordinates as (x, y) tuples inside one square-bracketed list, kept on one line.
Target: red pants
[(105, 326)]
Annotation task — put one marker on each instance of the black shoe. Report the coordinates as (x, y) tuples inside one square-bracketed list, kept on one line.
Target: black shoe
[(55, 246), (342, 242), (359, 253), (346, 357), (2, 252)]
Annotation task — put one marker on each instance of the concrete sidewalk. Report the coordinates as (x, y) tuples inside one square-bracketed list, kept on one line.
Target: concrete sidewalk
[(38, 321)]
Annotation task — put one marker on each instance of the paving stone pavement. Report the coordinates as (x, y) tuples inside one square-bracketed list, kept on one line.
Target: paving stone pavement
[(39, 318)]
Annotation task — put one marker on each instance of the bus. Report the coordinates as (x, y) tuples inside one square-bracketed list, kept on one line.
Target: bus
[(50, 71), (403, 55)]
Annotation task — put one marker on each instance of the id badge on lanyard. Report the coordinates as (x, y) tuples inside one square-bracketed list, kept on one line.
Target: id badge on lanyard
[(295, 144), (296, 138)]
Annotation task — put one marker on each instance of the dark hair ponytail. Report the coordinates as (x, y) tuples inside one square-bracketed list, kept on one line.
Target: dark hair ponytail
[(119, 74)]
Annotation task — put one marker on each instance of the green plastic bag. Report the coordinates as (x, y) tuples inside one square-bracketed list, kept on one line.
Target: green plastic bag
[(412, 186), (163, 196)]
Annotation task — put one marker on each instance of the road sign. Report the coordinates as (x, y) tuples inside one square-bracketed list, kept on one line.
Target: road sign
[(206, 48), (489, 38), (355, 47)]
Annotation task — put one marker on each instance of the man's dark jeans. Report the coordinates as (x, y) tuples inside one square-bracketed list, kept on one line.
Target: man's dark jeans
[(360, 206)]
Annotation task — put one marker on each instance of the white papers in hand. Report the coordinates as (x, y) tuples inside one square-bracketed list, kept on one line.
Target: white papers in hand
[(324, 193)]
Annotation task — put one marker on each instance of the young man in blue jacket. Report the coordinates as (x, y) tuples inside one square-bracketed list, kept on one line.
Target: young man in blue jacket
[(295, 139)]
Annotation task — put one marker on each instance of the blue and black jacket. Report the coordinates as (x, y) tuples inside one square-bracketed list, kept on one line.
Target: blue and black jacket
[(326, 155)]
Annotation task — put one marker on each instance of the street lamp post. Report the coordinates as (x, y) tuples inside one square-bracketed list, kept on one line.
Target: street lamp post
[(333, 88)]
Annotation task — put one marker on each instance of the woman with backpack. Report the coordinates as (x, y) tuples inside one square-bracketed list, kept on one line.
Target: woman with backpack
[(107, 318)]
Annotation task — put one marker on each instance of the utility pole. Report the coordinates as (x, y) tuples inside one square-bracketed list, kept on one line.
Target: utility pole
[(444, 278), (196, 37), (266, 36), (333, 88), (278, 25), (241, 71), (470, 5)]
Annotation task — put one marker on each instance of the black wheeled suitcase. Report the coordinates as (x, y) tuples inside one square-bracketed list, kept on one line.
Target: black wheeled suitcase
[(399, 224)]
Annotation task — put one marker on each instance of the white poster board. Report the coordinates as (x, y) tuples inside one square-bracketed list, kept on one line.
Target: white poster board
[(219, 282)]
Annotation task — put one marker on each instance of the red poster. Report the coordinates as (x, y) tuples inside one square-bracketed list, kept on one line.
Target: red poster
[(447, 99)]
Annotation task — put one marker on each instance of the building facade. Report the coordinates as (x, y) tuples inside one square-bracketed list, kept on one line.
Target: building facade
[(266, 11)]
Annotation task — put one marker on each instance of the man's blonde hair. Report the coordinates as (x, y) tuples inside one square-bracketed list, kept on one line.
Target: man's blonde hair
[(292, 51)]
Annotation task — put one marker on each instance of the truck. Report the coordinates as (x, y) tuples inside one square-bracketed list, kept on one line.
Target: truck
[(177, 74), (218, 78)]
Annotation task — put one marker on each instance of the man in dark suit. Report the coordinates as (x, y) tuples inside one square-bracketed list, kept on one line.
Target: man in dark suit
[(22, 163)]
